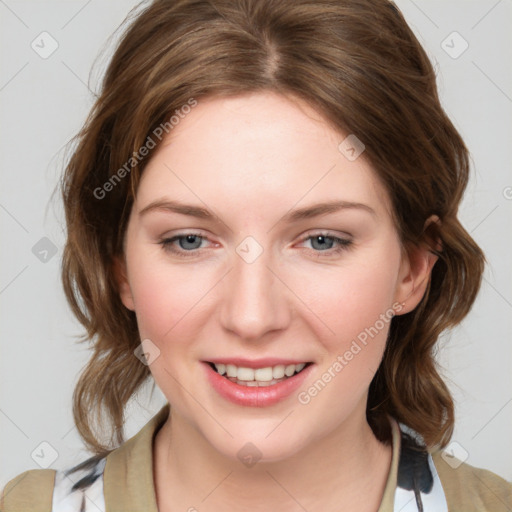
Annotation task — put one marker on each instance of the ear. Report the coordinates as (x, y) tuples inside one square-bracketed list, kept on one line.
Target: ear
[(416, 269), (123, 285)]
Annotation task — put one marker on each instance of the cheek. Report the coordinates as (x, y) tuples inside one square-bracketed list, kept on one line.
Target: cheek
[(353, 299), (357, 306), (353, 307), (165, 294)]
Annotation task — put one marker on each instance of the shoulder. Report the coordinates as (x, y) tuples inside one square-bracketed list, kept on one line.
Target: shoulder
[(472, 489), (31, 490), (124, 474), (48, 490)]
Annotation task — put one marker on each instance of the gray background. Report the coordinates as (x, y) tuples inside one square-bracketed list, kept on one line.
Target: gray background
[(43, 103)]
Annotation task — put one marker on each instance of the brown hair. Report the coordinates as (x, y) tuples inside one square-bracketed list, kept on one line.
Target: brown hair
[(359, 64)]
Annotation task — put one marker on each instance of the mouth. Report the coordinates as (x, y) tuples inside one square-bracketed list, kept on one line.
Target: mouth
[(258, 377)]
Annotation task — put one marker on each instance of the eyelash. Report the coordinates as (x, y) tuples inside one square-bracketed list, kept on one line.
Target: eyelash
[(343, 245)]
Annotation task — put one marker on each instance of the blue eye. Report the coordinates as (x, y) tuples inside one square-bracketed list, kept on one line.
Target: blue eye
[(324, 243), (189, 244)]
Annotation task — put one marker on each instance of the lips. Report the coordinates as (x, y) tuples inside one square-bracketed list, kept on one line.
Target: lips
[(240, 384)]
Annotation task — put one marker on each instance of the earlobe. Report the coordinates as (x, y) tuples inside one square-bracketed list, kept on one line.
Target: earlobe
[(416, 270), (123, 285)]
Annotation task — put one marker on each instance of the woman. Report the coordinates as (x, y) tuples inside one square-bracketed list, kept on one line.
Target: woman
[(262, 217)]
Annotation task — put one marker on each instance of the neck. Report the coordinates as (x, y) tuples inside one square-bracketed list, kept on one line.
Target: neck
[(346, 470)]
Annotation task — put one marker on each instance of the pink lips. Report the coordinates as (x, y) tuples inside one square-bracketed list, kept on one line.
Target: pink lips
[(255, 396)]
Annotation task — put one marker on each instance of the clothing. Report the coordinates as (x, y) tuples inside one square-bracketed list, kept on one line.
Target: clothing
[(123, 481)]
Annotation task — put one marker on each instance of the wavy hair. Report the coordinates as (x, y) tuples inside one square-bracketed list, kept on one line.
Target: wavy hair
[(359, 65)]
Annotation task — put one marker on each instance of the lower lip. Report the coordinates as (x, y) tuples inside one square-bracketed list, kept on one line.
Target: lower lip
[(255, 396)]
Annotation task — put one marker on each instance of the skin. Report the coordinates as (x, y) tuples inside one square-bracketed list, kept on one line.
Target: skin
[(250, 160)]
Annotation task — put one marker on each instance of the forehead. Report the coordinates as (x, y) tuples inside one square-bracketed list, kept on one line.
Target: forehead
[(257, 150)]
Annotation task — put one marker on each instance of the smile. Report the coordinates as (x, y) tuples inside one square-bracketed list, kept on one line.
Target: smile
[(259, 383), (258, 377)]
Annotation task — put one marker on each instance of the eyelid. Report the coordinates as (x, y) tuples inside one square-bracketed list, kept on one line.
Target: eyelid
[(343, 242), (326, 233), (309, 234)]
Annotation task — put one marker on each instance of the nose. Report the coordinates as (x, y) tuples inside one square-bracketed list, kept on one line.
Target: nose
[(255, 301)]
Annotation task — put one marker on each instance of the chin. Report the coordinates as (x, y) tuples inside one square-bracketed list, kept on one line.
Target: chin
[(255, 445)]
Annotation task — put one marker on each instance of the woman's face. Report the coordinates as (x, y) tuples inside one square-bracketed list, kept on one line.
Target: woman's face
[(233, 258)]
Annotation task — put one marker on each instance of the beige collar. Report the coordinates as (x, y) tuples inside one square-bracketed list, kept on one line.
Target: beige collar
[(128, 476)]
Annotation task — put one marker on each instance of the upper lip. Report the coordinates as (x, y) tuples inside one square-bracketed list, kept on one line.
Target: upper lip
[(255, 363)]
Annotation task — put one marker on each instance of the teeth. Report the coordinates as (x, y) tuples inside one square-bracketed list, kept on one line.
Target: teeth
[(231, 370), (245, 374), (258, 376), (289, 370), (278, 371), (263, 374), (255, 383)]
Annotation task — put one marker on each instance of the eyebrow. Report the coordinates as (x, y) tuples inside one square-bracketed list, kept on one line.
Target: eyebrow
[(323, 209), (177, 207), (307, 212)]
